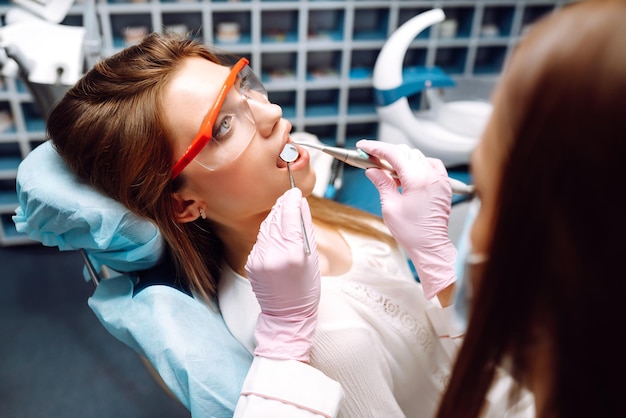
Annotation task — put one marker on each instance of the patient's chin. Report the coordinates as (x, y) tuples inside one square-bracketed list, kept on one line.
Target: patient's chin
[(307, 183)]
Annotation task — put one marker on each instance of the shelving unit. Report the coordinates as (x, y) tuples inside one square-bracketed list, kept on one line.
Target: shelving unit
[(315, 57)]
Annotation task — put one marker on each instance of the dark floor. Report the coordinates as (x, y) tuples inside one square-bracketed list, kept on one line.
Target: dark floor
[(56, 360)]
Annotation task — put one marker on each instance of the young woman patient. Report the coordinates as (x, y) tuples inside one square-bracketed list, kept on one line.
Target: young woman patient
[(188, 139)]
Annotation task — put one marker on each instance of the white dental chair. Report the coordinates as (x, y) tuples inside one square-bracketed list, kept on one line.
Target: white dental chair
[(141, 303), (445, 130)]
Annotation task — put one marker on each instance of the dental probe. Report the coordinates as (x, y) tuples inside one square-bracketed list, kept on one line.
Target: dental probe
[(361, 159), (289, 154)]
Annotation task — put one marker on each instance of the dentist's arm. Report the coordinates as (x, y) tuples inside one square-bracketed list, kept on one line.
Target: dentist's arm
[(418, 215), (286, 283)]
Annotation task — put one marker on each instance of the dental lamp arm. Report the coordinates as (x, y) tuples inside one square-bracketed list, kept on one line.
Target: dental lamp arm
[(418, 215)]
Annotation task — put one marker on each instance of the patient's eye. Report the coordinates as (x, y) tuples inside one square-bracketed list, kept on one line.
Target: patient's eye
[(224, 128)]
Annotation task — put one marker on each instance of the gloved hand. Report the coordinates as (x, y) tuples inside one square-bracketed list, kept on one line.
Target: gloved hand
[(285, 280), (418, 216)]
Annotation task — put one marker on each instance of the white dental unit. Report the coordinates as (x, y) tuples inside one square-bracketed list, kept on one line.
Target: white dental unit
[(446, 130)]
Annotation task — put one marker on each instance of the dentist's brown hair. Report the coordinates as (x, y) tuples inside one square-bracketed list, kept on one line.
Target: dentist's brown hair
[(554, 278)]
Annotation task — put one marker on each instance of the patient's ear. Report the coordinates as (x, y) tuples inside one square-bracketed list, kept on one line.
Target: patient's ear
[(186, 210)]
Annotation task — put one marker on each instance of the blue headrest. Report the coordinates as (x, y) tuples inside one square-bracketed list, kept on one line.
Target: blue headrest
[(58, 209)]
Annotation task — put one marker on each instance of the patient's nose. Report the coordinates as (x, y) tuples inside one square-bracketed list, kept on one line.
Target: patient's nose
[(266, 115)]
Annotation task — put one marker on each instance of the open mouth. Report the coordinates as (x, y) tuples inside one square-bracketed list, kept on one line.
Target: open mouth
[(289, 154)]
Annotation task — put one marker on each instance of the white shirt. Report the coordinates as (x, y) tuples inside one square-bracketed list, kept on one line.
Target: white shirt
[(389, 348)]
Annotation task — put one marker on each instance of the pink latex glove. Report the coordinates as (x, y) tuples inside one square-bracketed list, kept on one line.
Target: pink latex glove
[(285, 280), (418, 216)]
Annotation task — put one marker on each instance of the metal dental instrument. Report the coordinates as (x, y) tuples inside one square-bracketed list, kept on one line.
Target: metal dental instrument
[(361, 159), (289, 154)]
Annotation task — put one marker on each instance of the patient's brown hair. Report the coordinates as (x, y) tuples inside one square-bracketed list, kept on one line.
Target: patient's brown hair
[(110, 130)]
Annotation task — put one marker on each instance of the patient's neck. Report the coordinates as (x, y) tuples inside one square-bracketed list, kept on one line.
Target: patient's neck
[(238, 241), (334, 252), (335, 255)]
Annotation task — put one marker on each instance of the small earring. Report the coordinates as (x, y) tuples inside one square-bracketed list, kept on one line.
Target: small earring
[(202, 214)]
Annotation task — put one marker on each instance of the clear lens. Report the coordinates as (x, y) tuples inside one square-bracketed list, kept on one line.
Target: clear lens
[(234, 127), (247, 81)]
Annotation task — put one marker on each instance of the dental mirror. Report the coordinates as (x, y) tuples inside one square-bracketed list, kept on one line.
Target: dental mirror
[(290, 154)]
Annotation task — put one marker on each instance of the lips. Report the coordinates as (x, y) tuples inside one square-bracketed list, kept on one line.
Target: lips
[(302, 160), (280, 163), (303, 155)]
